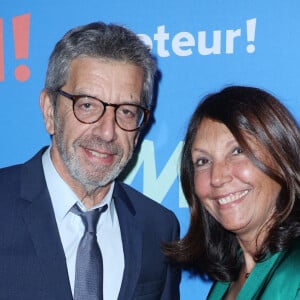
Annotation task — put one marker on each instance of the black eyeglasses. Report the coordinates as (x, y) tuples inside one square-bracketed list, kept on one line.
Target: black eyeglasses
[(89, 110)]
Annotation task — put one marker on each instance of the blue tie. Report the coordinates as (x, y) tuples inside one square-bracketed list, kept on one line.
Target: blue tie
[(89, 265)]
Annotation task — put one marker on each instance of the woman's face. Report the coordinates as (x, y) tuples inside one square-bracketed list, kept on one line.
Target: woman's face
[(232, 189)]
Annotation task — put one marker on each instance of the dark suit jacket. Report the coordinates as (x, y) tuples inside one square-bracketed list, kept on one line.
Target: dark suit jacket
[(32, 260)]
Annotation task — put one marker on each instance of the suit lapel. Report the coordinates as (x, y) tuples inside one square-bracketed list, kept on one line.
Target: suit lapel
[(132, 242), (39, 218)]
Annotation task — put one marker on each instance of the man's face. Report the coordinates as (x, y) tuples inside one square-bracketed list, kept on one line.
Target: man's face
[(93, 154)]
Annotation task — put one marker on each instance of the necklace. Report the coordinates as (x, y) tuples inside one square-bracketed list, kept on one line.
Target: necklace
[(247, 275)]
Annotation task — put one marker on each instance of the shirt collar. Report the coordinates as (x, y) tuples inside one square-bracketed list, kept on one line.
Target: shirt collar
[(62, 196)]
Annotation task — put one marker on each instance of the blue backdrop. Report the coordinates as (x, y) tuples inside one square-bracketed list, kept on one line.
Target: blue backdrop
[(201, 46)]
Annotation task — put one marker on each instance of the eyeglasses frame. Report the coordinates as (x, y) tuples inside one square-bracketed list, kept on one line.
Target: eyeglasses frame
[(75, 98)]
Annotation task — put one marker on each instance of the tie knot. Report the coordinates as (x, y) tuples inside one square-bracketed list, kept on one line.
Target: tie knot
[(89, 218)]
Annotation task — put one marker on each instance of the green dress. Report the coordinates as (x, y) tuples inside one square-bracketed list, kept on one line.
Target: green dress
[(276, 278)]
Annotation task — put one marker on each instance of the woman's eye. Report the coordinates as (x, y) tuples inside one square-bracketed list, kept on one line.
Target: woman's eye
[(237, 150), (202, 162)]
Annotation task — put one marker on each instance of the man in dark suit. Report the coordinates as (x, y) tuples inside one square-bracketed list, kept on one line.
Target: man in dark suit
[(96, 99)]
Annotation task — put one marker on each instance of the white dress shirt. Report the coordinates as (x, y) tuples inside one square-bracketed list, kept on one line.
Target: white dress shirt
[(71, 230)]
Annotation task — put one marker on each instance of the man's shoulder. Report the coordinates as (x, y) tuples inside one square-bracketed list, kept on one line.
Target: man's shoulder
[(144, 203), (140, 199), (7, 174), (12, 168), (147, 212), (10, 175)]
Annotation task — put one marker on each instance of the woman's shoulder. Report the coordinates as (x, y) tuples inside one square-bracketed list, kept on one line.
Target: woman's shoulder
[(278, 276), (218, 290), (285, 280), (291, 257)]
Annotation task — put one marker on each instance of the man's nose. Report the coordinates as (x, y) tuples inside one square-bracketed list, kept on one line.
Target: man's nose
[(105, 127)]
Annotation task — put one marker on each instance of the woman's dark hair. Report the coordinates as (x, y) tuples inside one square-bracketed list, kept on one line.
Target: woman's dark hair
[(207, 248)]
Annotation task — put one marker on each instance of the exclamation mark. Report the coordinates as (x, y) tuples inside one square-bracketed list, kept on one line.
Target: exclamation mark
[(251, 27), (21, 42), (1, 51)]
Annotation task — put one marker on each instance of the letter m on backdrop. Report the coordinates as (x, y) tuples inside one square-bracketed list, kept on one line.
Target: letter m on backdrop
[(157, 187)]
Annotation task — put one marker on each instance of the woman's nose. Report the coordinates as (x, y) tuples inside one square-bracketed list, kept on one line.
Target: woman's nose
[(220, 173)]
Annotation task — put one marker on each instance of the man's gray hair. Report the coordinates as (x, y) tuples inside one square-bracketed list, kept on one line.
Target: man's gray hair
[(100, 40)]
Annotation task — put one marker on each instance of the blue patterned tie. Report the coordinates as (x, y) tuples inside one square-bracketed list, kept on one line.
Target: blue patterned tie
[(89, 265)]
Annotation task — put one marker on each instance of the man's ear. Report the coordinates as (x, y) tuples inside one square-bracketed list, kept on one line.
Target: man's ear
[(47, 110)]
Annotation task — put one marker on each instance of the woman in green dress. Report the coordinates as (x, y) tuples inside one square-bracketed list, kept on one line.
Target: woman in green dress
[(240, 174)]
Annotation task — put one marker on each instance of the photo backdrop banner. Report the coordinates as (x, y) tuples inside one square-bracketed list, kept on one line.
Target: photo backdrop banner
[(201, 46)]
